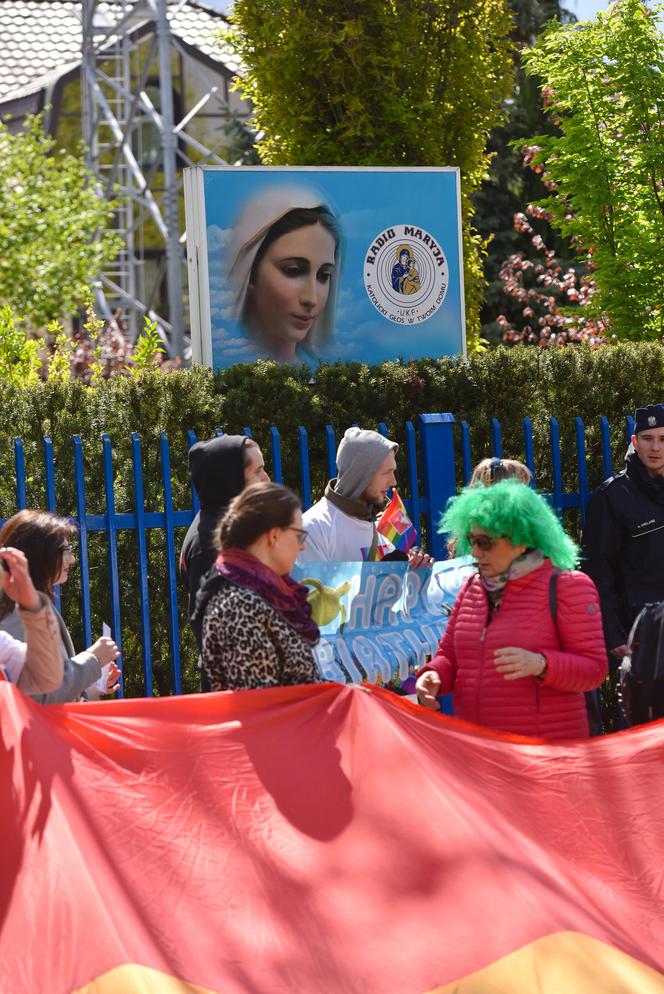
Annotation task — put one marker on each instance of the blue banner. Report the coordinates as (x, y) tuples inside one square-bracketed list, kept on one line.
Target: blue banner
[(380, 621)]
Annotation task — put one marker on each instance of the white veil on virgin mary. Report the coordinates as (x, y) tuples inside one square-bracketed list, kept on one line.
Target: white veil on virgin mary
[(254, 222)]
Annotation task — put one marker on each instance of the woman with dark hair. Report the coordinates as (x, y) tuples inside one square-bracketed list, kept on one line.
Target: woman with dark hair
[(33, 663), (525, 639), (44, 539), (257, 625), (284, 262)]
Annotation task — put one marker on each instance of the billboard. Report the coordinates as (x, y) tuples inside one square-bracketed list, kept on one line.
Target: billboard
[(323, 264)]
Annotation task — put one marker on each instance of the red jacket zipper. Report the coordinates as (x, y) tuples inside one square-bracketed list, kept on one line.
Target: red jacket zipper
[(481, 679)]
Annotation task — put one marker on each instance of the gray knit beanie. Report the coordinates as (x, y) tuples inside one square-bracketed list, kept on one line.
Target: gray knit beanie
[(360, 455)]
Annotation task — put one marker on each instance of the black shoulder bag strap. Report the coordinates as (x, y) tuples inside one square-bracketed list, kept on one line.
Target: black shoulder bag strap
[(593, 697)]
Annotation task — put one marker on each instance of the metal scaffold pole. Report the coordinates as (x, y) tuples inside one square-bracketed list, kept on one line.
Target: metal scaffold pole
[(136, 148), (174, 255)]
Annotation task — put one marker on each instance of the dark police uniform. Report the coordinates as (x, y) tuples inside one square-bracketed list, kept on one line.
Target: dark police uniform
[(623, 546)]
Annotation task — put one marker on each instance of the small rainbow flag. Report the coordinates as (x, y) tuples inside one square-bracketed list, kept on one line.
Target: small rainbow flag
[(396, 526)]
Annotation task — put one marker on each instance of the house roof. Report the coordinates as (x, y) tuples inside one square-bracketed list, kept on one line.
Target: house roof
[(40, 39)]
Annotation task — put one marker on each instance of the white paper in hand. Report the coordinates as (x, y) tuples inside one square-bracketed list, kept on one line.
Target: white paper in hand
[(102, 682)]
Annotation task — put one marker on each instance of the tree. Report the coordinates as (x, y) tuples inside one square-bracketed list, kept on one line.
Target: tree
[(604, 82), (50, 213), (549, 295), (378, 82), (510, 186)]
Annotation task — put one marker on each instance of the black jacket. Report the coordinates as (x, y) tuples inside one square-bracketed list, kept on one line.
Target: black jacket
[(216, 468), (623, 546)]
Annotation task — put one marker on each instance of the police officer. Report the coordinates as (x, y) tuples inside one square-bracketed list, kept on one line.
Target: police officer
[(623, 539)]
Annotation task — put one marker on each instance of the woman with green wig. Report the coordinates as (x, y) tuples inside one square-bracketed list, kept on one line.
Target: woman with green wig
[(525, 639)]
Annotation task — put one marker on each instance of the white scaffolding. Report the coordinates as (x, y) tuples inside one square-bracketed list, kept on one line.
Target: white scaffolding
[(125, 43)]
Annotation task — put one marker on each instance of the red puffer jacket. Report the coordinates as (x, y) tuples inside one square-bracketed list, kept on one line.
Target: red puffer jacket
[(552, 708)]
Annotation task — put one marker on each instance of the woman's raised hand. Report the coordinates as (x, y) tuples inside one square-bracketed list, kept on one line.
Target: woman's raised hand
[(428, 688), (105, 650), (112, 679), (513, 663), (16, 581)]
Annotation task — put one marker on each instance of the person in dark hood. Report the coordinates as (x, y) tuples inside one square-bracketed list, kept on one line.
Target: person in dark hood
[(623, 538), (220, 469)]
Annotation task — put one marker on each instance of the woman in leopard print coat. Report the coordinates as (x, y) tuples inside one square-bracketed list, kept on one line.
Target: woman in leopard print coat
[(257, 625)]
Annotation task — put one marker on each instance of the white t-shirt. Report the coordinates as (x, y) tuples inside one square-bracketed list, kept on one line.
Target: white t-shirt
[(335, 537), (12, 656)]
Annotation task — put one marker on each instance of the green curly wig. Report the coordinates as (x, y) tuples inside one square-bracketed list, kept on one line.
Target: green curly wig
[(510, 510)]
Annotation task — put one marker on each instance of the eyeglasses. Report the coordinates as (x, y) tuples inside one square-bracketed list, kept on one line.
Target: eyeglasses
[(481, 542), (301, 533)]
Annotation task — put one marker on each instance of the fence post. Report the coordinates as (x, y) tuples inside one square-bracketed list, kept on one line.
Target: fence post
[(19, 466), (556, 468), (496, 438), (438, 473), (466, 453), (277, 472), (413, 483), (83, 558), (582, 465), (171, 560), (529, 450), (141, 542), (112, 539), (330, 452), (607, 457), (305, 476), (195, 503), (629, 429), (49, 473)]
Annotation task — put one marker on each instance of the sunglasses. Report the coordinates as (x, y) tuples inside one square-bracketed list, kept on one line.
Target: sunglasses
[(481, 542), (300, 532)]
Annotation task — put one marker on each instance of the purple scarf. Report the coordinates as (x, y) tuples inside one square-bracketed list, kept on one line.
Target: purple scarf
[(285, 595)]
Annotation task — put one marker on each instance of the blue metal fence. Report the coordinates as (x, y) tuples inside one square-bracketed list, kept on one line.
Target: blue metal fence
[(429, 471)]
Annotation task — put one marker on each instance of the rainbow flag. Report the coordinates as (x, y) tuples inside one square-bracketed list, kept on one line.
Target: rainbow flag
[(396, 526), (280, 840)]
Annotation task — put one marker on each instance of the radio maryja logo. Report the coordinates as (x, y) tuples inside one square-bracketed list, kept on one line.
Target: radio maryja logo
[(406, 274)]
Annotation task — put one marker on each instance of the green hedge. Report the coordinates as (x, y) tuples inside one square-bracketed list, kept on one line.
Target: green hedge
[(508, 384), (505, 383)]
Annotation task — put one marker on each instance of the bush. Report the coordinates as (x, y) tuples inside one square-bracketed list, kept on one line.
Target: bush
[(52, 213), (505, 383)]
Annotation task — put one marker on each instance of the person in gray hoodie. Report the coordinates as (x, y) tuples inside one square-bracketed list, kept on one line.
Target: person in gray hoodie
[(341, 526)]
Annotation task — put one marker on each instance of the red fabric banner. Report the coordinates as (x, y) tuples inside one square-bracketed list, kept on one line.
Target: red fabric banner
[(323, 839)]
